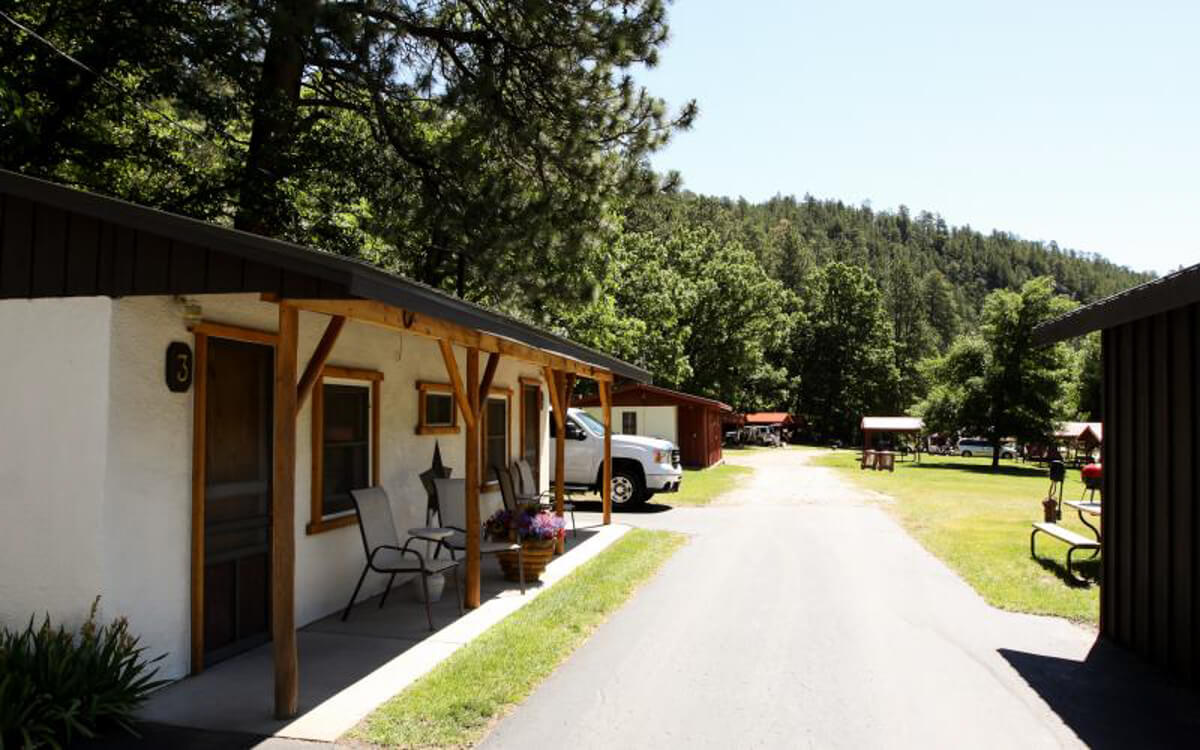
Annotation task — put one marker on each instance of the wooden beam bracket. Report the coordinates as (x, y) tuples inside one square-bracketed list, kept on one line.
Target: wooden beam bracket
[(460, 392), (320, 356)]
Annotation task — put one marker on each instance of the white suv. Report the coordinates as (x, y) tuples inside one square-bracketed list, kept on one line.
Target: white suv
[(968, 447), (642, 466)]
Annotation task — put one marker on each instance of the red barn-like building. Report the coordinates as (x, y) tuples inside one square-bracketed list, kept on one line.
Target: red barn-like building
[(691, 422)]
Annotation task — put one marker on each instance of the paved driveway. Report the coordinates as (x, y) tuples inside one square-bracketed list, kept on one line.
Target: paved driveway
[(801, 615)]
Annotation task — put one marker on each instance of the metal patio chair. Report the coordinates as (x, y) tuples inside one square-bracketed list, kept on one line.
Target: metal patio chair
[(452, 501), (381, 545), (528, 492)]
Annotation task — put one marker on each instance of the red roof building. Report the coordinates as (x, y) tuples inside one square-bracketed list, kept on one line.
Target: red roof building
[(771, 418)]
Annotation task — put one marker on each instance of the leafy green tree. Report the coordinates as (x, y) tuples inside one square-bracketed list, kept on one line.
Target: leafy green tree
[(1089, 391), (637, 311), (697, 311), (843, 351), (737, 323), (1000, 384)]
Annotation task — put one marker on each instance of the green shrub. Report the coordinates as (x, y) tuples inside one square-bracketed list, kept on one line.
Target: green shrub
[(56, 685)]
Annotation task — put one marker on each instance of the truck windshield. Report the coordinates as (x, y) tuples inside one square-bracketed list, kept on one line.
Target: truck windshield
[(590, 422)]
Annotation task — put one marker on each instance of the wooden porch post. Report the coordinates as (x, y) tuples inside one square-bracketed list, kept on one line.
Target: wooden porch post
[(283, 515), (473, 521), (468, 398), (554, 381), (199, 459), (606, 480)]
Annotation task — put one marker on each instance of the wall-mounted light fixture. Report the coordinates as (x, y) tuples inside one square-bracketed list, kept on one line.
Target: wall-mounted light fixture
[(193, 313)]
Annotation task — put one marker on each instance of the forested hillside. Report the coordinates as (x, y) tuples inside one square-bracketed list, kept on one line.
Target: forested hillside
[(811, 305), (791, 236)]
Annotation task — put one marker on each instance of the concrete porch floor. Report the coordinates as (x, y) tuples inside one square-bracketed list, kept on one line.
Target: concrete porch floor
[(349, 668)]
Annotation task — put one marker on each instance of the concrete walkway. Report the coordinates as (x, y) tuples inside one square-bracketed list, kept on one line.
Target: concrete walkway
[(802, 615), (347, 669)]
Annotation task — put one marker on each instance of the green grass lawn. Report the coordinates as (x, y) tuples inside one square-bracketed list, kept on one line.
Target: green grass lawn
[(979, 524), (454, 705), (702, 486)]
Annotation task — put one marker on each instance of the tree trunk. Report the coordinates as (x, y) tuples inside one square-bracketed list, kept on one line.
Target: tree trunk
[(995, 453), (263, 207)]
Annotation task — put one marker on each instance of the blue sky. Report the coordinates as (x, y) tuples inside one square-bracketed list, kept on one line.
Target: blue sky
[(1057, 120)]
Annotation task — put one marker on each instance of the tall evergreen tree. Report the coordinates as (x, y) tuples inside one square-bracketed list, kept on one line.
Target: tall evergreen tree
[(843, 352), (937, 296), (914, 339)]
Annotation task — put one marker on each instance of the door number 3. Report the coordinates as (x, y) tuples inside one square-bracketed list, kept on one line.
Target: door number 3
[(179, 367)]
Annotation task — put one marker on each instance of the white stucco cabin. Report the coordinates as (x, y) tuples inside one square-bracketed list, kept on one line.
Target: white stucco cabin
[(186, 406)]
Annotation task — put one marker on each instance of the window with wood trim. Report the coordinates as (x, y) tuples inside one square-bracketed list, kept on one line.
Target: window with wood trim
[(496, 439), (345, 444), (629, 423), (436, 411)]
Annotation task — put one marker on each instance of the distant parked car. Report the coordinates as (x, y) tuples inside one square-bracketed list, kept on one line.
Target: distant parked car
[(969, 447)]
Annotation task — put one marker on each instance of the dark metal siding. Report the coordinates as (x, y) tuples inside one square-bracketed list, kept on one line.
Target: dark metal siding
[(57, 241), (1148, 599), (51, 252)]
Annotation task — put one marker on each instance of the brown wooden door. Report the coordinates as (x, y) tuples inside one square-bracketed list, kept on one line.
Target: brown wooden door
[(237, 497), (690, 428)]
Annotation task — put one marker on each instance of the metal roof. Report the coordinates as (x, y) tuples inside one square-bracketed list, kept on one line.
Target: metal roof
[(1076, 430), (1158, 296), (893, 424), (655, 390), (358, 278), (768, 417)]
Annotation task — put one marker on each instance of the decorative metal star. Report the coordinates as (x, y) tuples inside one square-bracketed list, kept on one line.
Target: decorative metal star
[(435, 471)]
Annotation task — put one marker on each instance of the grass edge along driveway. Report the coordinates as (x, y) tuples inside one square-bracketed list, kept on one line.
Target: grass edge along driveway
[(702, 486), (979, 523), (458, 701)]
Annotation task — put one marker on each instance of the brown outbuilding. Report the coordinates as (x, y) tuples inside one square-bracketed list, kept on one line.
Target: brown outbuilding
[(1150, 586)]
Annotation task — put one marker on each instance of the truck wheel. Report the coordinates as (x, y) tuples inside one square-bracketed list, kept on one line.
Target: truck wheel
[(627, 488)]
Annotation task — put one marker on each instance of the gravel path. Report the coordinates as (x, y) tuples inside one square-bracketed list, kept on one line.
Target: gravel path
[(801, 615)]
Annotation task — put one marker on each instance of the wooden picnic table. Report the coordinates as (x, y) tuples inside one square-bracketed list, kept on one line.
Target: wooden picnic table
[(1089, 508)]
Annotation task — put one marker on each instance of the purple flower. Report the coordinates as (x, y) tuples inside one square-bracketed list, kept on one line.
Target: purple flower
[(528, 523)]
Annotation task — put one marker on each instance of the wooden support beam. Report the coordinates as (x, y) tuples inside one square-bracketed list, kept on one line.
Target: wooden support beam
[(474, 523), (606, 480), (456, 382), (237, 333), (485, 386), (560, 448), (283, 519), (320, 356), (199, 464), (552, 386), (387, 316)]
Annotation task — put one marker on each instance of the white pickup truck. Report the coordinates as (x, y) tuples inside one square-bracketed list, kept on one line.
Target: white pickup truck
[(642, 466)]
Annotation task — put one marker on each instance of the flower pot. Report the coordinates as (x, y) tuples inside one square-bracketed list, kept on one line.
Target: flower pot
[(437, 584), (535, 553)]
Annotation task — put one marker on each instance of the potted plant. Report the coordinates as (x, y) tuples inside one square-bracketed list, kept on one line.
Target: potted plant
[(536, 530)]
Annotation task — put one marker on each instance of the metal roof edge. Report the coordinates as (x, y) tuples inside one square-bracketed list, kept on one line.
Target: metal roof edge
[(1171, 291)]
